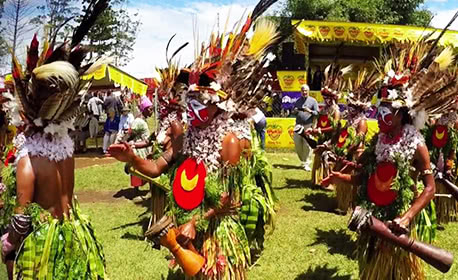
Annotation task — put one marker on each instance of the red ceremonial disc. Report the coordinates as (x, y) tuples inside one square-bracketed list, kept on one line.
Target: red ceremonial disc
[(379, 185), (189, 184), (440, 136), (323, 121), (342, 138)]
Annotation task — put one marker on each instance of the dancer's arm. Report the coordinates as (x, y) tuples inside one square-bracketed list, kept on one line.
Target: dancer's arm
[(423, 165), (20, 224), (123, 152)]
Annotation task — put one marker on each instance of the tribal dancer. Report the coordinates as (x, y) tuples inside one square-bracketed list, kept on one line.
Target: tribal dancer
[(442, 141), (47, 236), (415, 84), (171, 109), (212, 178), (328, 120), (348, 144)]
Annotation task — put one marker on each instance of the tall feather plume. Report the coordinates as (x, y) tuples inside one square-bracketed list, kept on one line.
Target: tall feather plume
[(94, 9), (32, 54), (445, 58), (264, 36)]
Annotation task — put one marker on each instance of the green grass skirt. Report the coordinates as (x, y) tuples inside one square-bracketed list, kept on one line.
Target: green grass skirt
[(61, 250)]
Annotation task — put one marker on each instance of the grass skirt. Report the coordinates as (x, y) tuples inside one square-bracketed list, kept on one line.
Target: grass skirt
[(380, 260), (317, 169), (446, 208), (346, 196), (61, 250)]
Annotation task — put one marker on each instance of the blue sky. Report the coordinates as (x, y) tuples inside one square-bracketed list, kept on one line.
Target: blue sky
[(162, 19)]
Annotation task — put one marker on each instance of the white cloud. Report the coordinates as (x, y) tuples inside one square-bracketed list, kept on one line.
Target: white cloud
[(159, 23), (438, 1), (443, 17)]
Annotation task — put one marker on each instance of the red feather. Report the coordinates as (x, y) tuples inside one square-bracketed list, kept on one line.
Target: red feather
[(50, 51), (32, 54)]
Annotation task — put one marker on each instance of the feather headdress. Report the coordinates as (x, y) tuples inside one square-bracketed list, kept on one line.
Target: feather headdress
[(49, 89), (362, 89), (171, 83), (334, 80), (230, 70), (417, 75)]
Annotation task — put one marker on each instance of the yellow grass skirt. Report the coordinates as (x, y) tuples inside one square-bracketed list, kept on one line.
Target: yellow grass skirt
[(380, 260), (317, 170), (446, 208), (345, 195)]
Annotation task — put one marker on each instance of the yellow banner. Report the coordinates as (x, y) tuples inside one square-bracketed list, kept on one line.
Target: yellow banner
[(280, 132), (292, 80), (97, 75), (366, 32)]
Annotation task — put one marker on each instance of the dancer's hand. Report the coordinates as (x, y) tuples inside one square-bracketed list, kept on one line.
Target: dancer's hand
[(122, 152), (7, 246), (333, 178), (227, 206), (187, 232), (400, 225)]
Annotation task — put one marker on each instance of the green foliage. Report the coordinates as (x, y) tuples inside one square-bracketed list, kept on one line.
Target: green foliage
[(114, 32), (404, 12), (8, 196), (56, 15)]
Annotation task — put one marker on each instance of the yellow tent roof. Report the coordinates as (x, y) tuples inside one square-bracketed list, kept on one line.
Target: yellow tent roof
[(309, 30), (109, 74)]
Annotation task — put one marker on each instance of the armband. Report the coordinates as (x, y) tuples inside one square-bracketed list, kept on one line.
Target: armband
[(427, 172), (21, 224), (319, 130)]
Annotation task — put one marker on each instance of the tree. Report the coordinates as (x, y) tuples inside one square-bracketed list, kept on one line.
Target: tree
[(114, 33), (57, 15), (17, 13), (404, 12)]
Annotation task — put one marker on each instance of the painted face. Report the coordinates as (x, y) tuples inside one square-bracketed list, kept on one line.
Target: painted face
[(328, 101), (385, 119), (197, 113), (351, 111)]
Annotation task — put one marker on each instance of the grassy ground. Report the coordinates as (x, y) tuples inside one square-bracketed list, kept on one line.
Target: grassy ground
[(310, 241)]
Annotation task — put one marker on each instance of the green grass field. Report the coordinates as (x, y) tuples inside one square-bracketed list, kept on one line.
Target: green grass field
[(310, 241)]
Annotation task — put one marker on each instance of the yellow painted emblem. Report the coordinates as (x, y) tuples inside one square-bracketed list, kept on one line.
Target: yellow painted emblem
[(440, 136), (324, 123), (342, 139), (188, 185)]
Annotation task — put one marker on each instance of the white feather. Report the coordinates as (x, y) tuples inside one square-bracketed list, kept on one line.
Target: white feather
[(419, 119), (59, 72)]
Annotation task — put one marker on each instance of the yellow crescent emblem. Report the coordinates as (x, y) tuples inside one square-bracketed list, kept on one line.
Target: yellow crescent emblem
[(342, 139), (324, 123), (188, 185), (439, 136)]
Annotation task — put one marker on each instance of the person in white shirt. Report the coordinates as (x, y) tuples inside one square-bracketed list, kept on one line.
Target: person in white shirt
[(259, 120), (94, 108), (125, 123)]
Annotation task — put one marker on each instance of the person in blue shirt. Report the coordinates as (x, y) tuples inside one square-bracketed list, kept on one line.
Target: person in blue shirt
[(111, 128), (305, 109)]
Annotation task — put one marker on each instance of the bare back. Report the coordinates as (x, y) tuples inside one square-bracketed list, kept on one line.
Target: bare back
[(48, 183)]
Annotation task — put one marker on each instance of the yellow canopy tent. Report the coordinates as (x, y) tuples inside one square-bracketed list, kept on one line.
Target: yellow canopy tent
[(111, 76), (363, 33)]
